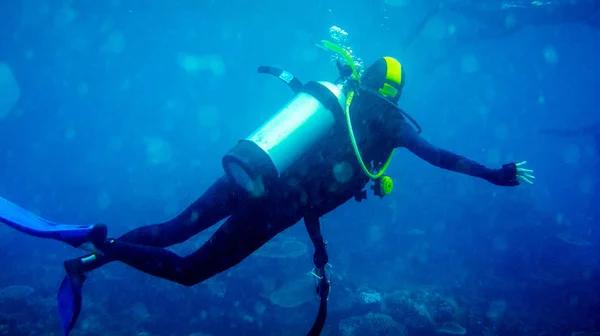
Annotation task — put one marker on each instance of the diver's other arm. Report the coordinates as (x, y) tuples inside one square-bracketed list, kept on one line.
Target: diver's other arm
[(509, 175)]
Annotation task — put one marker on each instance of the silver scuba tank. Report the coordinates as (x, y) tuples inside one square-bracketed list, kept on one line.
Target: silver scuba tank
[(263, 156)]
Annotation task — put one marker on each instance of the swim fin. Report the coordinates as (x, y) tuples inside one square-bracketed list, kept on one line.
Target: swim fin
[(86, 237), (69, 303)]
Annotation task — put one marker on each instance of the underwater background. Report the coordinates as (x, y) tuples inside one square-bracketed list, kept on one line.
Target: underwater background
[(119, 112)]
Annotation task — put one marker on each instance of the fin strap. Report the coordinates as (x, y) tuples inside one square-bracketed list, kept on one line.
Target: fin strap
[(313, 226)]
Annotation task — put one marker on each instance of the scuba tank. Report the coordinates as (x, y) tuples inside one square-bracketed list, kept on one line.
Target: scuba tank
[(258, 160)]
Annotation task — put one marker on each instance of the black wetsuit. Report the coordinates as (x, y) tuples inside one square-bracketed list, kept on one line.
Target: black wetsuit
[(323, 180)]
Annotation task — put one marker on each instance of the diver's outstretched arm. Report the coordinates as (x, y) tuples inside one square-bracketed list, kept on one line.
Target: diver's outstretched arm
[(408, 137)]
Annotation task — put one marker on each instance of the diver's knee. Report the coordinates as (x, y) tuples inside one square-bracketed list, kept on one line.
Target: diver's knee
[(188, 282), (189, 274)]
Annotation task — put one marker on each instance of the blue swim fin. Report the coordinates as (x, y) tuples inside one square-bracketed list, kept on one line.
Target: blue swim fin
[(69, 303), (80, 236)]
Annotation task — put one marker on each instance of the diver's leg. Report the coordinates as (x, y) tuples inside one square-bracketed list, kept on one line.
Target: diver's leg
[(242, 234), (216, 203)]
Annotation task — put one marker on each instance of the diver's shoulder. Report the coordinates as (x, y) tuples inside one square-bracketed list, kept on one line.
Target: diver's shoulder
[(396, 121)]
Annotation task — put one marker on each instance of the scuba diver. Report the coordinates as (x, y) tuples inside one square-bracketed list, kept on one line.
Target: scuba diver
[(592, 130), (307, 160)]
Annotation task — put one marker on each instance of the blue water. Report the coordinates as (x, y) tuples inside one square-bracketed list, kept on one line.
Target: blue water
[(125, 108)]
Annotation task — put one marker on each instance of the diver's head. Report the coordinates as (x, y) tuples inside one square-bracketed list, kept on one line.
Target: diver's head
[(385, 77)]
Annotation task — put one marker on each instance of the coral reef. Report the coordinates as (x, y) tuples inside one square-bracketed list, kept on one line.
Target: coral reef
[(371, 324)]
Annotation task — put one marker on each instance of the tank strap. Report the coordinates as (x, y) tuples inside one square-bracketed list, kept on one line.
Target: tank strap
[(326, 97), (294, 83)]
